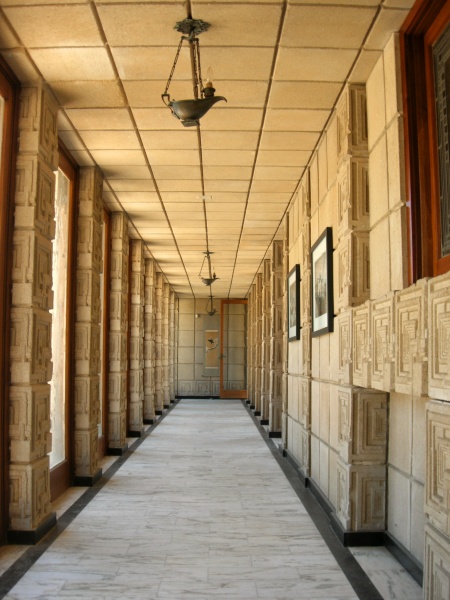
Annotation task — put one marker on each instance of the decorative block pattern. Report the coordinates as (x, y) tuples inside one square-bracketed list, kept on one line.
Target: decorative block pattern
[(383, 344), (149, 341), (437, 487), (136, 373), (361, 497), (118, 352), (436, 565), (87, 322), (32, 300), (351, 114), (352, 269), (353, 196), (439, 335), (411, 331), (361, 346), (344, 330)]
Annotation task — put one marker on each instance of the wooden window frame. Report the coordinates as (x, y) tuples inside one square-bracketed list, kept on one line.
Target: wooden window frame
[(9, 90), (423, 26), (61, 476)]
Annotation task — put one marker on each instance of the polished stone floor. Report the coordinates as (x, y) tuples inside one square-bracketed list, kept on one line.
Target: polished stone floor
[(200, 508)]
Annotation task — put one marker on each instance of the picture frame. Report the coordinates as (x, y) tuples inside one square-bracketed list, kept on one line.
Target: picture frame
[(293, 293), (322, 284)]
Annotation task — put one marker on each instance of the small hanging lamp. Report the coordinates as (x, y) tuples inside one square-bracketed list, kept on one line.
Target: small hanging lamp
[(189, 112), (212, 276)]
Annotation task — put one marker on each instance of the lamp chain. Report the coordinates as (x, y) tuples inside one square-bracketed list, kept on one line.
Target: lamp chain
[(174, 65)]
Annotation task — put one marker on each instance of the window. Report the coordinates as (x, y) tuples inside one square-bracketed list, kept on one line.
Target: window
[(426, 86)]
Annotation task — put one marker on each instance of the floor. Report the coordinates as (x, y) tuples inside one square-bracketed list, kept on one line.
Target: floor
[(200, 508)]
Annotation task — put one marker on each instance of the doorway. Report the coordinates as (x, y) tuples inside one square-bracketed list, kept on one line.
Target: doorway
[(233, 349)]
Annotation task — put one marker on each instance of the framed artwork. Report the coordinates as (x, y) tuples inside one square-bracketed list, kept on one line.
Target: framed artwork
[(322, 284), (293, 285)]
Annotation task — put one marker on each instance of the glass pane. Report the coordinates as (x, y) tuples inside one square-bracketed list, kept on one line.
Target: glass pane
[(59, 312), (234, 347), (441, 54)]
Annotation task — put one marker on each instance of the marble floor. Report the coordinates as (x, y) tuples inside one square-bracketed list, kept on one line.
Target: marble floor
[(200, 508)]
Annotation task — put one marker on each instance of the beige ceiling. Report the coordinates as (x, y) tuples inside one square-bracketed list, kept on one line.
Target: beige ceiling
[(281, 66)]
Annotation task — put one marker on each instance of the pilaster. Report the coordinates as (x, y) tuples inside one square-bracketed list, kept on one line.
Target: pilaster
[(278, 326), (165, 345), (136, 391), (159, 391), (87, 326), (32, 299), (149, 342), (118, 346)]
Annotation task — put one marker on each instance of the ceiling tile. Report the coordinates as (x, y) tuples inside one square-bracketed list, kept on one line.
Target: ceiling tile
[(92, 94), (64, 25), (229, 140), (104, 140), (236, 63), (119, 157), (295, 120), (240, 24), (318, 26), (226, 172), (176, 172), (171, 157), (133, 185), (296, 140), (182, 139), (292, 158), (228, 157), (313, 64), (99, 119), (151, 63), (231, 118), (73, 64), (317, 95), (142, 24)]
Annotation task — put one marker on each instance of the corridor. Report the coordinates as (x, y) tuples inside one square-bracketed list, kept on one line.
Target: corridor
[(199, 509)]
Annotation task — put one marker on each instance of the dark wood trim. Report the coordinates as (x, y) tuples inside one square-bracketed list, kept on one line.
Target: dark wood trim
[(422, 26), (61, 476), (9, 90)]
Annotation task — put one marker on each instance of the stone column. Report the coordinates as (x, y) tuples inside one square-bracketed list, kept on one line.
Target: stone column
[(266, 341), (32, 299), (165, 346), (278, 327), (159, 392), (437, 485), (87, 326), (256, 406), (149, 342), (118, 358), (285, 383), (172, 347), (250, 346), (136, 391)]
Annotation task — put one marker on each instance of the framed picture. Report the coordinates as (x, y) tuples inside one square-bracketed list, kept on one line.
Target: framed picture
[(322, 284), (294, 304)]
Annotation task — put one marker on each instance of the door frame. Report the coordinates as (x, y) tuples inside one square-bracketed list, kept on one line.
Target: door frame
[(241, 394)]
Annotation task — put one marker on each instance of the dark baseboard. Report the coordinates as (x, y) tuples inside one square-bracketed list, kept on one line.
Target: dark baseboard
[(135, 434), (405, 558), (159, 412), (274, 434), (264, 422), (257, 413), (252, 407), (30, 538), (248, 402), (358, 538), (166, 406), (148, 421), (87, 481), (117, 451)]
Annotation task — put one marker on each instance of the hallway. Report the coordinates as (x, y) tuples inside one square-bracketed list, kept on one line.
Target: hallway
[(199, 509)]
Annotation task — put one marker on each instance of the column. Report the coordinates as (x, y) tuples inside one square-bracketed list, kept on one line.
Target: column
[(278, 327), (32, 299), (136, 391), (159, 392), (266, 340), (165, 346), (172, 347), (149, 342), (87, 326), (118, 346)]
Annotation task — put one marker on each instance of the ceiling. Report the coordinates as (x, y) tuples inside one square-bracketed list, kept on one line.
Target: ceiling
[(225, 185)]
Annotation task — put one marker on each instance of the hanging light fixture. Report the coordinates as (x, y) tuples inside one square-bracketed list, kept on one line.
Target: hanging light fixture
[(189, 112), (212, 310), (212, 276)]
